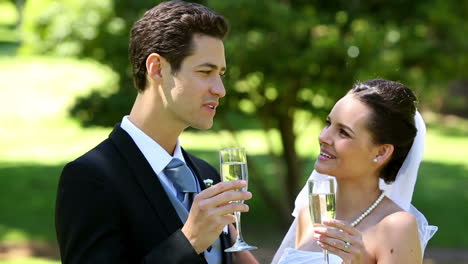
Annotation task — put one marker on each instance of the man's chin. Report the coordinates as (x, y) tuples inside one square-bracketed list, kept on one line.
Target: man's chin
[(203, 126)]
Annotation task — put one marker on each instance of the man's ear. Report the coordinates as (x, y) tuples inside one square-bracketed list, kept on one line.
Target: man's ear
[(153, 66), (384, 153)]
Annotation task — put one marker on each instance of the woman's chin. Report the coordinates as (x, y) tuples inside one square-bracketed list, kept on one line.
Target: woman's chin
[(320, 168)]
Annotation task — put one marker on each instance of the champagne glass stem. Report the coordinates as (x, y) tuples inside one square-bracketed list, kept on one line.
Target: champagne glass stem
[(325, 257), (238, 226)]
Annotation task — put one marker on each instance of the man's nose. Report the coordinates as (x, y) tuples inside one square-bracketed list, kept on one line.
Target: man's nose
[(218, 88)]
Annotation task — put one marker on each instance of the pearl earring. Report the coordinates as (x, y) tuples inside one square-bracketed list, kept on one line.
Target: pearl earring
[(375, 159)]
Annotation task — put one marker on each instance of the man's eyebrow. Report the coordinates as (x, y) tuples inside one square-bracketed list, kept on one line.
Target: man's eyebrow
[(211, 65)]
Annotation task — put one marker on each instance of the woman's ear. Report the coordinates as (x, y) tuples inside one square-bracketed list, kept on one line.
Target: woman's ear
[(384, 153), (153, 66)]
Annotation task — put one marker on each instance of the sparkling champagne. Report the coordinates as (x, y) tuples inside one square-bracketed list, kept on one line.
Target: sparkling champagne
[(232, 171), (322, 207)]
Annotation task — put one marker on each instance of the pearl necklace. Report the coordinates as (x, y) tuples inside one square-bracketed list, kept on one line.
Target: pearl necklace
[(369, 210)]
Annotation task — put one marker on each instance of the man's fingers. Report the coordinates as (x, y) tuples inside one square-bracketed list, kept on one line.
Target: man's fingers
[(205, 203), (222, 187), (231, 208), (228, 196)]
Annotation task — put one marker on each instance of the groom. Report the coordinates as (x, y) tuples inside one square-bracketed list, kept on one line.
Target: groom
[(139, 197)]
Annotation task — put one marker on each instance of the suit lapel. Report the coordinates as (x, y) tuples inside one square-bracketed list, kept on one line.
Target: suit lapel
[(195, 168), (201, 174), (153, 188), (147, 179)]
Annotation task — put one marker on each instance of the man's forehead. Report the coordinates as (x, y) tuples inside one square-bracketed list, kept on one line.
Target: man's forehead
[(208, 50)]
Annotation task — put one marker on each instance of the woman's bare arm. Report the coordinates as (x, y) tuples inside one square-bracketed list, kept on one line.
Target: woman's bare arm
[(399, 238)]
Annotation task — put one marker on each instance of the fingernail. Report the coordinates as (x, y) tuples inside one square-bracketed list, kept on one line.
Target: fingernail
[(243, 182), (319, 229), (316, 236)]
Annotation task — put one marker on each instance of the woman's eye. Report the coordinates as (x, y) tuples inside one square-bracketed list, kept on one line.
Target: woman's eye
[(344, 133), (327, 123)]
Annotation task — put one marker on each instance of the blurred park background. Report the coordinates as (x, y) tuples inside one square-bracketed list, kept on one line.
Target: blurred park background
[(65, 81)]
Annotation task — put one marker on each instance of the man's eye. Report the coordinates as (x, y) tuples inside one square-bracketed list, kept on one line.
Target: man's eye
[(327, 123)]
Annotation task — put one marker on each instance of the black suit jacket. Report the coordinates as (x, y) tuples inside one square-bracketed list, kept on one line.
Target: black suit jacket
[(112, 208)]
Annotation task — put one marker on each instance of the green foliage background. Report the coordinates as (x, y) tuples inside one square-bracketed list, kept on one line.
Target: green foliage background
[(288, 62), (284, 57)]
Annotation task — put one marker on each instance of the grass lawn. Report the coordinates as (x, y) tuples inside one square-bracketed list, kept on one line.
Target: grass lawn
[(37, 138)]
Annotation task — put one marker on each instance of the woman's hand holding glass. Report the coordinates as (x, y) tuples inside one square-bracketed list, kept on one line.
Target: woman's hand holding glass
[(340, 239), (322, 203)]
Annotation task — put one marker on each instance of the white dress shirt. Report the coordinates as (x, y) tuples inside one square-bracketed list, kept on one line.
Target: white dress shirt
[(159, 158)]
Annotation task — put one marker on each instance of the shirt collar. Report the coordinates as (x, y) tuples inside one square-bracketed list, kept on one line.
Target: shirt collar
[(156, 155)]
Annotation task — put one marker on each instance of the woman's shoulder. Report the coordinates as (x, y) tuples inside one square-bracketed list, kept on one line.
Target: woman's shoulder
[(399, 230), (400, 221), (395, 218)]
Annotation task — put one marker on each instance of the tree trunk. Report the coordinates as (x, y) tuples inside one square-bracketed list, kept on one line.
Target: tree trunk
[(19, 4), (270, 198), (288, 140)]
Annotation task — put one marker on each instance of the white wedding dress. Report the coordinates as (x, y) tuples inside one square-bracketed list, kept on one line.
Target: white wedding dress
[(401, 192), (295, 256)]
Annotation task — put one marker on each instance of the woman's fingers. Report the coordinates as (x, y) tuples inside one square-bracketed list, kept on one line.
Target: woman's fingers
[(336, 243), (342, 254), (342, 225), (332, 232), (340, 239)]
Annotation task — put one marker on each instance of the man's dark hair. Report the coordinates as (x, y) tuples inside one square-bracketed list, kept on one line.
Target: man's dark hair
[(393, 106), (168, 29)]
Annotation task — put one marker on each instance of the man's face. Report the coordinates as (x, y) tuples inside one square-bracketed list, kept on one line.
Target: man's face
[(192, 94)]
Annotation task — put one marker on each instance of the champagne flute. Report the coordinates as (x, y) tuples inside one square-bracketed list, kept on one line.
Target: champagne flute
[(233, 163), (322, 203)]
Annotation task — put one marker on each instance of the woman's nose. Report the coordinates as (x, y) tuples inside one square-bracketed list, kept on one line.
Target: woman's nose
[(324, 137)]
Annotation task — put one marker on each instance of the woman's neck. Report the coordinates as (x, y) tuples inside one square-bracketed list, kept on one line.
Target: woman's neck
[(354, 197)]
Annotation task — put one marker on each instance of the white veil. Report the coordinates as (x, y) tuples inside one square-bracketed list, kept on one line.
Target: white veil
[(400, 191)]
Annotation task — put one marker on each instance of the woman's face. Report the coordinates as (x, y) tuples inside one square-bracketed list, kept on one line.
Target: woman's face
[(346, 147)]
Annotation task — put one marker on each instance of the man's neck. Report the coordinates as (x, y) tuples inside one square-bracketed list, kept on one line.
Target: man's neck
[(151, 120)]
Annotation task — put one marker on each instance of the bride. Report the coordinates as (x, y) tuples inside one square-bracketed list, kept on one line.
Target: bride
[(374, 137)]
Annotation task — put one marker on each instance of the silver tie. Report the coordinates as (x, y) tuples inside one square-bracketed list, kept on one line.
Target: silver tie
[(183, 180)]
